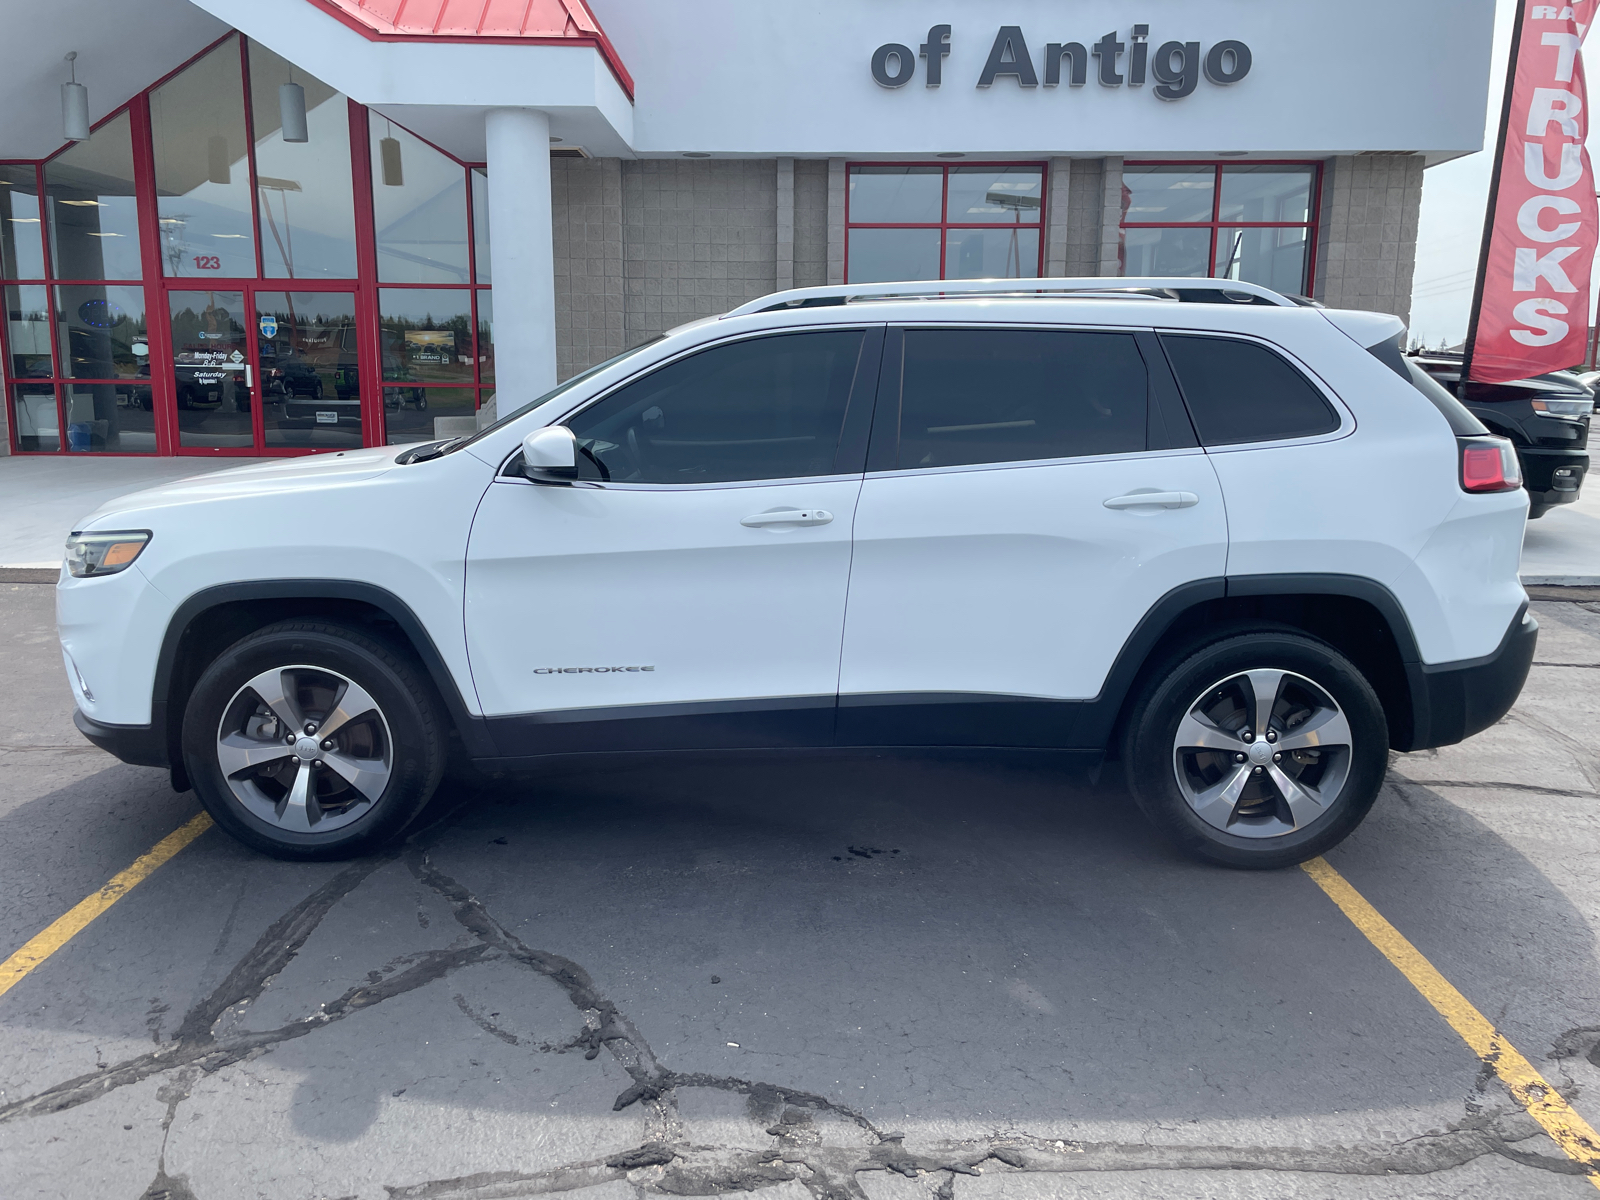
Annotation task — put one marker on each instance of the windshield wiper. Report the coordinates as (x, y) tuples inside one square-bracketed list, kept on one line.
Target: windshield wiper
[(430, 451)]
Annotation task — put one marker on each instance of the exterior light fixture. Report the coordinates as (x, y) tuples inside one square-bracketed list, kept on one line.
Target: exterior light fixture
[(292, 112), (74, 105), (389, 157), (217, 164)]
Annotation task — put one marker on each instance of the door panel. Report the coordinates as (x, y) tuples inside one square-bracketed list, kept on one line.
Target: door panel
[(300, 339), (667, 591), (986, 589), (691, 585), (211, 363)]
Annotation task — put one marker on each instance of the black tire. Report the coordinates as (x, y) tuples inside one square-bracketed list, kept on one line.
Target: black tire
[(1158, 772), (408, 731)]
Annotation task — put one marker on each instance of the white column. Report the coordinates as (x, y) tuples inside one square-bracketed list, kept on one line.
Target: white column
[(522, 255)]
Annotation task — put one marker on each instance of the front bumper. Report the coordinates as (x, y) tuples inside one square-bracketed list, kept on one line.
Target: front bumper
[(141, 745), (1452, 701), (1552, 476)]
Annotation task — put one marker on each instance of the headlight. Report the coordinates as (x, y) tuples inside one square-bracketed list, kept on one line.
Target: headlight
[(1564, 408), (105, 553)]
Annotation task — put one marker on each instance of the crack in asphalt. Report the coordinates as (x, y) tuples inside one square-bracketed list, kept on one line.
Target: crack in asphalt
[(1491, 786), (668, 1163)]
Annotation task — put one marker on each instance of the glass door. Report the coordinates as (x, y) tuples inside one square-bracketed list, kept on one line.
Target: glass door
[(306, 362), (211, 371)]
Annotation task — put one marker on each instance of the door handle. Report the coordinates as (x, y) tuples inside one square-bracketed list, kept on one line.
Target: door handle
[(789, 516), (1154, 500)]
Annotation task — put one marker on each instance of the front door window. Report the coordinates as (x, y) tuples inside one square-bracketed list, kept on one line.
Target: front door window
[(310, 394), (210, 359)]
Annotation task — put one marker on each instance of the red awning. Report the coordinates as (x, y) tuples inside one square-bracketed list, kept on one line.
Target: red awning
[(535, 22)]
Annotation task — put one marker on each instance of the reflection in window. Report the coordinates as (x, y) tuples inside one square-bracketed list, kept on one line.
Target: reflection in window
[(936, 222), (208, 350), (310, 387), (480, 224), (202, 169), (426, 335), (28, 332), (419, 204), (115, 418), (303, 188), (101, 330), (94, 217), (413, 414), (37, 423), (21, 255), (1236, 221), (486, 337)]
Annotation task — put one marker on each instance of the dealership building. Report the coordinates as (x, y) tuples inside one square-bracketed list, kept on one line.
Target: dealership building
[(256, 227)]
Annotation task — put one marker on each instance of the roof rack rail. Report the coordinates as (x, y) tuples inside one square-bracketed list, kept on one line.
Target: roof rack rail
[(1185, 290)]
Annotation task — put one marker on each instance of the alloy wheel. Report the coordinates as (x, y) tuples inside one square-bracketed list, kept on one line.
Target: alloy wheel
[(305, 749), (1262, 753)]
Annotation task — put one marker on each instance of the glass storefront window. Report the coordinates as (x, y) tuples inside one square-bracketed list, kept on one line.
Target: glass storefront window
[(310, 388), (28, 331), (485, 337), (1245, 221), (21, 239), (426, 335), (102, 332), (1168, 194), (480, 224), (303, 189), (412, 413), (38, 424), (113, 418), (419, 205), (896, 195), (1266, 194), (998, 195), (203, 170), (212, 377), (936, 222), (94, 215), (1168, 252)]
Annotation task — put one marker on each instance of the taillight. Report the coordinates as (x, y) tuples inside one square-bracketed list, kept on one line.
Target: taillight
[(1489, 464)]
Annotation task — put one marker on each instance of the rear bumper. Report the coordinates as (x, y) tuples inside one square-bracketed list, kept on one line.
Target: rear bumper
[(141, 745), (1452, 701)]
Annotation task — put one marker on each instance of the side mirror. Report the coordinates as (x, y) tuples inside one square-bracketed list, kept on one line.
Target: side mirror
[(550, 455)]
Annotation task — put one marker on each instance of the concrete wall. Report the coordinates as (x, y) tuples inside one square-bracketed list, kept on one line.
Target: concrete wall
[(586, 196), (1367, 233), (810, 222)]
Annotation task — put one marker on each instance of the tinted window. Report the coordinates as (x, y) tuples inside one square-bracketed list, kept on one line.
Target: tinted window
[(767, 408), (1242, 392), (1006, 395)]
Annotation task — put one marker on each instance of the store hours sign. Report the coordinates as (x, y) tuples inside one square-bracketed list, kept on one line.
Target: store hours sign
[(1172, 69)]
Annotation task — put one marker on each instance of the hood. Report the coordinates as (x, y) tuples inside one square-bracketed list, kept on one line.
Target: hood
[(258, 479)]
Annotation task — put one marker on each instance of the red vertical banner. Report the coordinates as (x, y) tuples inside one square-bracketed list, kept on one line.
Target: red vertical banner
[(1533, 304)]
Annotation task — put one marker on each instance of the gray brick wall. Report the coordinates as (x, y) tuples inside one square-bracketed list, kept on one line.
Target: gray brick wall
[(810, 222), (1367, 235), (1085, 202), (1058, 197), (586, 203), (698, 238)]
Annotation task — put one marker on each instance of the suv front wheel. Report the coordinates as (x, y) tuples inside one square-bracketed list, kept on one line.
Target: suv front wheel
[(1261, 750), (311, 740)]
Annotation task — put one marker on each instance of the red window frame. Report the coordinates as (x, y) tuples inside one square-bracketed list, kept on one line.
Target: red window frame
[(944, 225), (1216, 223), (157, 285)]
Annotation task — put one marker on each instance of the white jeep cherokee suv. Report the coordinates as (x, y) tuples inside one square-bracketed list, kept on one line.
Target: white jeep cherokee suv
[(1232, 539)]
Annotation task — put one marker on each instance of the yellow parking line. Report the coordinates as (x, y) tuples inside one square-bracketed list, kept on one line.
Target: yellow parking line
[(66, 927), (1544, 1104)]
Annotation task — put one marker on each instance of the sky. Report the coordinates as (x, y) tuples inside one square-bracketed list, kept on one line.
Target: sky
[(1454, 194)]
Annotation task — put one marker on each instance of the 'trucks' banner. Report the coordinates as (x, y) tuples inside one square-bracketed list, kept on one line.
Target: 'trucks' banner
[(1532, 313)]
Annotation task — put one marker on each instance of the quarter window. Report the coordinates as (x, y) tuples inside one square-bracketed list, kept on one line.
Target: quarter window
[(1008, 395), (1239, 391), (766, 408)]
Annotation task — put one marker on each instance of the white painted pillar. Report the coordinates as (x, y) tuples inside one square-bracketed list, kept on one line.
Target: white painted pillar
[(522, 255)]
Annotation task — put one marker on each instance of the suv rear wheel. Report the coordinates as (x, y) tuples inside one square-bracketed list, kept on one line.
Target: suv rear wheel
[(1261, 750), (310, 740)]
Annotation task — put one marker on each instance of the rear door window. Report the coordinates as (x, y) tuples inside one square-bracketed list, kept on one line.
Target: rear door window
[(1240, 391), (972, 396), (763, 408)]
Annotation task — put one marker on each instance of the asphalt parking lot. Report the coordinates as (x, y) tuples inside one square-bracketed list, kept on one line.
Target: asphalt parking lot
[(878, 976)]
